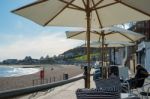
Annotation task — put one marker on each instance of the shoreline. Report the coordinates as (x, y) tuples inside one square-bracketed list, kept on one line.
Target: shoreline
[(9, 71), (8, 83), (31, 66)]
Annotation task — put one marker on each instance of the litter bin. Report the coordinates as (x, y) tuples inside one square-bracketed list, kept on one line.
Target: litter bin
[(65, 76)]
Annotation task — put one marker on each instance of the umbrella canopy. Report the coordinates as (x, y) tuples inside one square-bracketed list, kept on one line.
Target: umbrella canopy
[(73, 12), (111, 34), (109, 44), (85, 13)]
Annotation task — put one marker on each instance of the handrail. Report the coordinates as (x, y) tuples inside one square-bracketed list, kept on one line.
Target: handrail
[(32, 89)]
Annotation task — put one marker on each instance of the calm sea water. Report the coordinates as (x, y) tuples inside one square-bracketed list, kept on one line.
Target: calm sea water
[(6, 71)]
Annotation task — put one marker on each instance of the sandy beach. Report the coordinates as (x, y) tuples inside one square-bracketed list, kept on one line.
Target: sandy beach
[(52, 72)]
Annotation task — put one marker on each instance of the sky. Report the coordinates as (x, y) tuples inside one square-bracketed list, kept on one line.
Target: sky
[(20, 37)]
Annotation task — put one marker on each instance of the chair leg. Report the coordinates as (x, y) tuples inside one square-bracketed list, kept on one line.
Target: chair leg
[(148, 97)]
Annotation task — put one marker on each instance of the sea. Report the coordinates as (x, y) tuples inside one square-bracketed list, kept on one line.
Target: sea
[(10, 71)]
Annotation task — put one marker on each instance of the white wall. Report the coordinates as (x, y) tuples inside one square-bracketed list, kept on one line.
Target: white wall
[(147, 57)]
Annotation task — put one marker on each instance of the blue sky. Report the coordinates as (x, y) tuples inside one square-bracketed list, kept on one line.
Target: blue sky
[(20, 37)]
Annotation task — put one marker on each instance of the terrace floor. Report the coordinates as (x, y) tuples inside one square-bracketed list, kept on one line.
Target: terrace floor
[(67, 91)]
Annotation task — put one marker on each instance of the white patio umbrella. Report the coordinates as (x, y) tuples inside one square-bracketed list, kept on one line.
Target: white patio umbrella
[(110, 45), (97, 44), (85, 13), (110, 34), (73, 13)]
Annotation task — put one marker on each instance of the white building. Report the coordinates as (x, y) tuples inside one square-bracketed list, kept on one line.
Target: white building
[(143, 54)]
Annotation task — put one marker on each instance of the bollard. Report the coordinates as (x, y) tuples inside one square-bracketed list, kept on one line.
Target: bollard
[(32, 82), (50, 80), (65, 76), (54, 79)]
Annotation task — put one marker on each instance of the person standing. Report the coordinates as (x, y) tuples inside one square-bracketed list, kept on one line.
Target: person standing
[(42, 75)]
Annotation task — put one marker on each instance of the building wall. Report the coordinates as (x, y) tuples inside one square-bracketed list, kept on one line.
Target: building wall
[(142, 27)]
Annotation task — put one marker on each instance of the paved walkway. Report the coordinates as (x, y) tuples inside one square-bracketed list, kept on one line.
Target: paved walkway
[(66, 91)]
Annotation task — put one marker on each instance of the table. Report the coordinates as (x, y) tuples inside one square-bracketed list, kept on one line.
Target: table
[(129, 96)]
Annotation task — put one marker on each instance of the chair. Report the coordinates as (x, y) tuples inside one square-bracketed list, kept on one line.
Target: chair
[(145, 92), (125, 87), (123, 73), (143, 89), (105, 89), (98, 93), (111, 81), (132, 84), (113, 70)]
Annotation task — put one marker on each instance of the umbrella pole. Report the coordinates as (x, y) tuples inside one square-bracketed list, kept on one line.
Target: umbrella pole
[(87, 78), (103, 69), (114, 56), (102, 49)]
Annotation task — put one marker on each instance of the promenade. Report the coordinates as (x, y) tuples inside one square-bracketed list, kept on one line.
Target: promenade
[(67, 91)]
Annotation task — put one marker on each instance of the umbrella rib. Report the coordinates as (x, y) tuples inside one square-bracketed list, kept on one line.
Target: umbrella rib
[(34, 3), (95, 32), (104, 6), (73, 6), (76, 8), (76, 34), (133, 7), (84, 3), (123, 45), (126, 37), (58, 13), (94, 5), (110, 33), (113, 32)]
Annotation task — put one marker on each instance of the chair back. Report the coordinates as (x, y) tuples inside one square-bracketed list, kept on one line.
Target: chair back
[(105, 89), (113, 70), (98, 93), (123, 73)]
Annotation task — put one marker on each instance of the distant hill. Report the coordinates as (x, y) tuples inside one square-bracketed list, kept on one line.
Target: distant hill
[(78, 52)]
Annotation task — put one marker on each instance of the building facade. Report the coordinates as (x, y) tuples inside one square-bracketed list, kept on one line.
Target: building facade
[(142, 54)]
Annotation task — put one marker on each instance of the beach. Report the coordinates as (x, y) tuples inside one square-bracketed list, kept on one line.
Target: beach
[(52, 73)]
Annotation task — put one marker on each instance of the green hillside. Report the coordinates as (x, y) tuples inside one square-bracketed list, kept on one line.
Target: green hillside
[(84, 57), (79, 54)]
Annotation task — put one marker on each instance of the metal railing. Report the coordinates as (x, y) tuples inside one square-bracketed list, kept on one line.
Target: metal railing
[(32, 89)]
